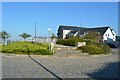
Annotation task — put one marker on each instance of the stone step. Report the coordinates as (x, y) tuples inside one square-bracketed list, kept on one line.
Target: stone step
[(64, 47)]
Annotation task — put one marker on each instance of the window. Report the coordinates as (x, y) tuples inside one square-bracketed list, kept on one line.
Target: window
[(108, 35)]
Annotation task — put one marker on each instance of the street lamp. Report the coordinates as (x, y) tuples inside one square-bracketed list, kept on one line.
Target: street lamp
[(49, 29)]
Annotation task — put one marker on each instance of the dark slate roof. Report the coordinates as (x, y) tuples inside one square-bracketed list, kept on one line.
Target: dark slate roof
[(102, 30), (112, 31), (82, 30), (69, 27), (73, 32)]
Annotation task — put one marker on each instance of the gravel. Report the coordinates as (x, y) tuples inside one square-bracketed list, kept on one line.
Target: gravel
[(61, 67)]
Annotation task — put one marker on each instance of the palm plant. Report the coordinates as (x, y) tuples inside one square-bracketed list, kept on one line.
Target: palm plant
[(25, 35), (4, 35)]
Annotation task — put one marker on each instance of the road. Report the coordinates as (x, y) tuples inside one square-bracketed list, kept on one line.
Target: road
[(15, 66)]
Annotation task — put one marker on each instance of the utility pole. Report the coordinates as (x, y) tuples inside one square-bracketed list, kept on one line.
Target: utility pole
[(35, 31)]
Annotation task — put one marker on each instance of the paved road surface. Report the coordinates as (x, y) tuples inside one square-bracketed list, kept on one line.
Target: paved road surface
[(60, 67)]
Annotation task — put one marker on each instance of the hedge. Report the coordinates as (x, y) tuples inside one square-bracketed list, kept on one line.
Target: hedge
[(27, 48)]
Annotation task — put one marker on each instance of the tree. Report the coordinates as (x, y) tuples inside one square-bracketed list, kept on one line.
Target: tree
[(95, 36), (53, 36), (4, 35), (25, 35)]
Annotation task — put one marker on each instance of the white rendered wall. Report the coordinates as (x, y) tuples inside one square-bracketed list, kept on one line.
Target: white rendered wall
[(110, 35), (76, 33), (114, 35), (65, 32)]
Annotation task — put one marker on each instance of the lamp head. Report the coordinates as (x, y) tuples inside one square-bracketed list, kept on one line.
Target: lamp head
[(49, 29)]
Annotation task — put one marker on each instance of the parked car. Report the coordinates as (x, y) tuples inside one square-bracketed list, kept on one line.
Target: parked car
[(112, 45)]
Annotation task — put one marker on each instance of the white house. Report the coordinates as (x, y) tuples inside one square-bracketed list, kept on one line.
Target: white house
[(107, 34)]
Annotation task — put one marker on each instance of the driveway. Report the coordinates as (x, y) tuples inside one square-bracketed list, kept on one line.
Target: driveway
[(104, 66)]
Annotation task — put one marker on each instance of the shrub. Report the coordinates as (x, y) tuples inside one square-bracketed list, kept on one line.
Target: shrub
[(26, 48), (70, 41), (105, 48), (95, 36), (91, 42), (95, 49), (0, 47)]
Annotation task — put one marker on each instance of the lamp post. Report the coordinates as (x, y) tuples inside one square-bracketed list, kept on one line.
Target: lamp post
[(49, 29), (35, 31)]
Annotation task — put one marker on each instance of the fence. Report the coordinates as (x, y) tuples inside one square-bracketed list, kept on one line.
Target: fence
[(38, 39)]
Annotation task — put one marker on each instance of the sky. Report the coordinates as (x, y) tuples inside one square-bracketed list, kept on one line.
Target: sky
[(20, 17)]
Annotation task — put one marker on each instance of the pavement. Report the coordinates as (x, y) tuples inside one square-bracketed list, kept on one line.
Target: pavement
[(31, 66)]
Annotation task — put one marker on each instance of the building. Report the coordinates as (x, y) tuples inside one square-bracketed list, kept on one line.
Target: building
[(107, 34)]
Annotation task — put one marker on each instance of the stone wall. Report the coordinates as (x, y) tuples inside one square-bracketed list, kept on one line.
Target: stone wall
[(79, 44)]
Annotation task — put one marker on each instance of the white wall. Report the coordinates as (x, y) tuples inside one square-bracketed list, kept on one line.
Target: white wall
[(65, 32), (109, 35), (76, 33), (114, 35)]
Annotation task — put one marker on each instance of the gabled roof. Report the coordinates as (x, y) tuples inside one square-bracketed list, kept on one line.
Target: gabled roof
[(82, 30), (72, 32), (102, 30), (69, 27), (113, 31)]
